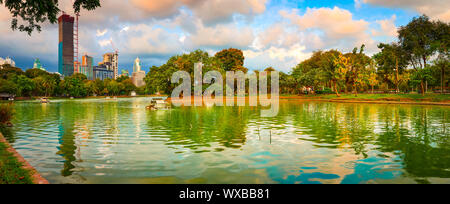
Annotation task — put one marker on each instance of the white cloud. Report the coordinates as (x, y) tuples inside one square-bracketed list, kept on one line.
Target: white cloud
[(283, 59), (330, 28), (101, 33), (388, 27), (104, 43), (222, 35), (437, 9), (147, 39)]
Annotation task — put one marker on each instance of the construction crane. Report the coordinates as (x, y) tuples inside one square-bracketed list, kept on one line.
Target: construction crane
[(114, 47), (76, 44)]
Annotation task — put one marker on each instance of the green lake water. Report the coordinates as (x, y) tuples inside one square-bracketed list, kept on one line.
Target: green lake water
[(100, 141)]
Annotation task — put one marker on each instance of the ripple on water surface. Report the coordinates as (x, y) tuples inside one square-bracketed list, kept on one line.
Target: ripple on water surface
[(119, 141)]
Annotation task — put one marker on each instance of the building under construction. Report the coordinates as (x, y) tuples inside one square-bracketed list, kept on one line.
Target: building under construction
[(66, 45), (68, 62)]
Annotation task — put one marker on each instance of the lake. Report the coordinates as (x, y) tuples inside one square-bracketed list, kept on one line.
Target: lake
[(119, 141)]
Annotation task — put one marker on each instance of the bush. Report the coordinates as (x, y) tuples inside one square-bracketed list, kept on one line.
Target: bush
[(6, 113), (325, 91)]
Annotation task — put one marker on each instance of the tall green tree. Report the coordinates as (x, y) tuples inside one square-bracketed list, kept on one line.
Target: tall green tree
[(231, 59), (74, 85), (442, 43), (391, 61), (418, 40), (25, 85)]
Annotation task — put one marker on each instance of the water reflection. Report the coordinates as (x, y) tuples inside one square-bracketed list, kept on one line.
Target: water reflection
[(98, 141)]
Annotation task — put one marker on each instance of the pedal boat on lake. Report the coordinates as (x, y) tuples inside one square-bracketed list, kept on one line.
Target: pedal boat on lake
[(159, 104), (45, 100)]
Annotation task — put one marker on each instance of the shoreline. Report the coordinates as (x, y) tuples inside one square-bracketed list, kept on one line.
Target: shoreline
[(343, 100), (34, 174), (400, 101)]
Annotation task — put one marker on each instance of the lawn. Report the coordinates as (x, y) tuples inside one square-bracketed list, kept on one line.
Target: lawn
[(391, 97), (11, 171)]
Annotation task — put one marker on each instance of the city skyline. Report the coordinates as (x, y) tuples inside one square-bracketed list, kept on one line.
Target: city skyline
[(270, 32)]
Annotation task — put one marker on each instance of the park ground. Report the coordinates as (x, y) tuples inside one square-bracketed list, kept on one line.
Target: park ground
[(431, 98), (14, 169), (401, 98), (11, 171)]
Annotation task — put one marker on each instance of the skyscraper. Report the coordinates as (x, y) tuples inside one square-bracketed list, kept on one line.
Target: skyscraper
[(87, 67), (112, 59), (65, 46)]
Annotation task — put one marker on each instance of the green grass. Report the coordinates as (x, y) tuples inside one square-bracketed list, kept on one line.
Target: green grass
[(11, 171), (393, 97)]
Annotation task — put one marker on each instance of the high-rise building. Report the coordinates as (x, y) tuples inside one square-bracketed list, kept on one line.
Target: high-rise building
[(138, 75), (112, 59), (87, 67), (65, 46), (37, 64), (103, 72), (108, 69)]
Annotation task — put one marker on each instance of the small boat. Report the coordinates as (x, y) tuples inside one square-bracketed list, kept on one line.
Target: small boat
[(45, 100), (159, 104)]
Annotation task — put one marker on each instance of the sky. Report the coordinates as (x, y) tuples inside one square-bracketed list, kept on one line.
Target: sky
[(271, 33)]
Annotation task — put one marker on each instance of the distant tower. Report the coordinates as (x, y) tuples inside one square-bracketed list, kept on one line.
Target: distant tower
[(37, 64), (137, 65), (66, 45), (138, 75)]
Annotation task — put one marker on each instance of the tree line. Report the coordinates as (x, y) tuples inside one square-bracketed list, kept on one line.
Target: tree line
[(417, 61), (36, 82)]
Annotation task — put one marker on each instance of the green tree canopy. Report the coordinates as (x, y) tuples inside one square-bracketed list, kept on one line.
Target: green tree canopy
[(231, 58)]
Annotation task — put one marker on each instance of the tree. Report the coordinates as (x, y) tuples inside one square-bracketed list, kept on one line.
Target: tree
[(74, 85), (357, 63), (421, 39), (442, 42), (8, 87), (443, 64), (392, 62), (8, 71), (25, 85), (343, 66), (420, 76), (373, 80), (122, 78), (418, 39), (128, 86), (33, 73), (317, 71), (231, 58), (36, 12), (113, 87), (98, 87)]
